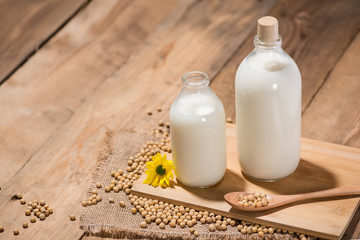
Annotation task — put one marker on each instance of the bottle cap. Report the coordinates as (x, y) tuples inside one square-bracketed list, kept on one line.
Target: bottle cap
[(268, 29)]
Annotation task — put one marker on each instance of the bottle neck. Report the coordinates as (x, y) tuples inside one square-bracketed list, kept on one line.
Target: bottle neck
[(195, 80), (267, 46)]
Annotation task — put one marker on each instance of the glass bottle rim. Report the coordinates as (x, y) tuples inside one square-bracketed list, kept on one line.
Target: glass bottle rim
[(259, 43), (195, 79)]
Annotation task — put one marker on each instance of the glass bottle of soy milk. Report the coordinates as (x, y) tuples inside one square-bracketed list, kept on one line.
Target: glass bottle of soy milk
[(198, 137), (268, 107)]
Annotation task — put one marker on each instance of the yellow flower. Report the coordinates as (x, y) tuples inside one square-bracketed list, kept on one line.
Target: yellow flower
[(159, 171)]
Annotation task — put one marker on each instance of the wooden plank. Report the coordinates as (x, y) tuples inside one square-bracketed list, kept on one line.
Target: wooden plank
[(47, 90), (315, 173), (334, 114), (59, 171), (353, 231), (26, 25), (315, 34)]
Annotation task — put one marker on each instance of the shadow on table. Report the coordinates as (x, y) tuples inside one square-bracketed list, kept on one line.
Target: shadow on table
[(231, 182), (308, 177)]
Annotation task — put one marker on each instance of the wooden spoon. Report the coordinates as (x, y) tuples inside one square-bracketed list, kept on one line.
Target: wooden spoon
[(280, 200)]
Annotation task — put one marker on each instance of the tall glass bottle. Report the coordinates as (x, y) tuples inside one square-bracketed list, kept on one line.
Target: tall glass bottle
[(198, 136), (268, 107)]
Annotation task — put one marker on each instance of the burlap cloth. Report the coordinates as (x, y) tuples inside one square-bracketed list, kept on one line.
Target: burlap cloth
[(112, 221)]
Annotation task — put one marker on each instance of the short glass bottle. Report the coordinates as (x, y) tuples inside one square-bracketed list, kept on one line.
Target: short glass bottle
[(198, 133)]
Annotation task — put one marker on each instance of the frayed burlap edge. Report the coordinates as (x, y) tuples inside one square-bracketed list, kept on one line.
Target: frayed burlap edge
[(116, 233)]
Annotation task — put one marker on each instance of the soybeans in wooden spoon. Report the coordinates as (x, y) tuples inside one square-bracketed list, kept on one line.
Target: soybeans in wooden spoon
[(273, 201)]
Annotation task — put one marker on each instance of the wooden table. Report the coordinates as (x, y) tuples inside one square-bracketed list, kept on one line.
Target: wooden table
[(70, 69)]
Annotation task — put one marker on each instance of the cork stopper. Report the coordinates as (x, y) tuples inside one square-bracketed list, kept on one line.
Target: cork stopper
[(268, 29)]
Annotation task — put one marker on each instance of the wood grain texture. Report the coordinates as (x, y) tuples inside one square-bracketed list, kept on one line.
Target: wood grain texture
[(353, 230), (334, 114), (25, 25), (325, 219), (315, 34), (150, 77), (46, 91), (49, 133)]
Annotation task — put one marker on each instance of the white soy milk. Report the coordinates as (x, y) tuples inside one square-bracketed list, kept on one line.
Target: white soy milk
[(268, 113), (197, 120)]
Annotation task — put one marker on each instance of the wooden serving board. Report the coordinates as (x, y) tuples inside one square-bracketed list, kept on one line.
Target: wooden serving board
[(322, 166)]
